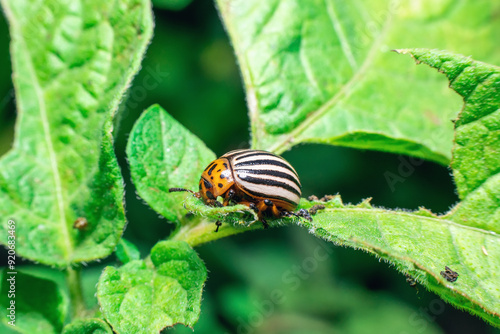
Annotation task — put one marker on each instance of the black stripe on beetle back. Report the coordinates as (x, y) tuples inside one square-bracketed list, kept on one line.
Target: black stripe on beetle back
[(271, 197), (231, 154), (265, 162), (270, 173), (254, 153), (272, 183)]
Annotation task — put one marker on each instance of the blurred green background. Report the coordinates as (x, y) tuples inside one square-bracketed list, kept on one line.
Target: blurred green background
[(190, 70)]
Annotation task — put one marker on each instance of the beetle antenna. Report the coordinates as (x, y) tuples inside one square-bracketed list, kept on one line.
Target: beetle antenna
[(171, 190)]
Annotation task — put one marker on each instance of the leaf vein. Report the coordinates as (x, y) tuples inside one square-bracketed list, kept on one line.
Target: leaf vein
[(345, 91), (344, 43), (50, 147)]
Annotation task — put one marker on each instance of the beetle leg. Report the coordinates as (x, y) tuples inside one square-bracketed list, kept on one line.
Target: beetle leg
[(214, 202), (274, 209), (261, 207), (253, 207), (229, 196), (265, 205)]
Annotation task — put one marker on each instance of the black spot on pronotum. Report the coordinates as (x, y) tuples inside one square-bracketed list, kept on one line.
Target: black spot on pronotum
[(224, 164), (208, 185), (210, 165), (220, 185), (218, 170), (210, 195), (212, 169)]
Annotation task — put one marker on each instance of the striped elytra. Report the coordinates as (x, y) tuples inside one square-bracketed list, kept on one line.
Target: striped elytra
[(263, 175), (261, 180)]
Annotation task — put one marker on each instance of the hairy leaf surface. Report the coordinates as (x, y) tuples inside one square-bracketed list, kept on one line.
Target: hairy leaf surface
[(164, 154), (321, 71), (147, 296), (72, 61)]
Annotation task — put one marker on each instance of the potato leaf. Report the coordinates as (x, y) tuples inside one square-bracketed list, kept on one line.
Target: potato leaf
[(72, 62), (42, 312), (320, 71), (163, 154), (147, 296), (88, 326)]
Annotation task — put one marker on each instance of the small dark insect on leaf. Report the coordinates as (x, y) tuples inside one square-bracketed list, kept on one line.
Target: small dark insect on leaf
[(313, 198), (218, 224), (449, 275), (327, 198), (315, 208), (80, 223), (411, 281)]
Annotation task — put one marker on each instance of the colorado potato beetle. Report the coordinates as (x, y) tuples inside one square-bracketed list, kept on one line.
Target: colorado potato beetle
[(263, 181)]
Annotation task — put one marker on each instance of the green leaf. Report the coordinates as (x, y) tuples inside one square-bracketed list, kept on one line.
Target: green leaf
[(41, 312), (72, 62), (467, 239), (321, 71), (127, 251), (421, 244), (148, 296), (88, 326), (235, 218), (171, 4), (476, 153), (163, 154)]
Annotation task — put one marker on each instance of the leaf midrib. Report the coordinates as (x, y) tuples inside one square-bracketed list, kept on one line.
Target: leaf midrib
[(413, 216), (46, 131)]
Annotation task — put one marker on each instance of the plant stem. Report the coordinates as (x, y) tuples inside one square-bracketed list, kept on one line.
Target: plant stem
[(73, 279), (197, 234)]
